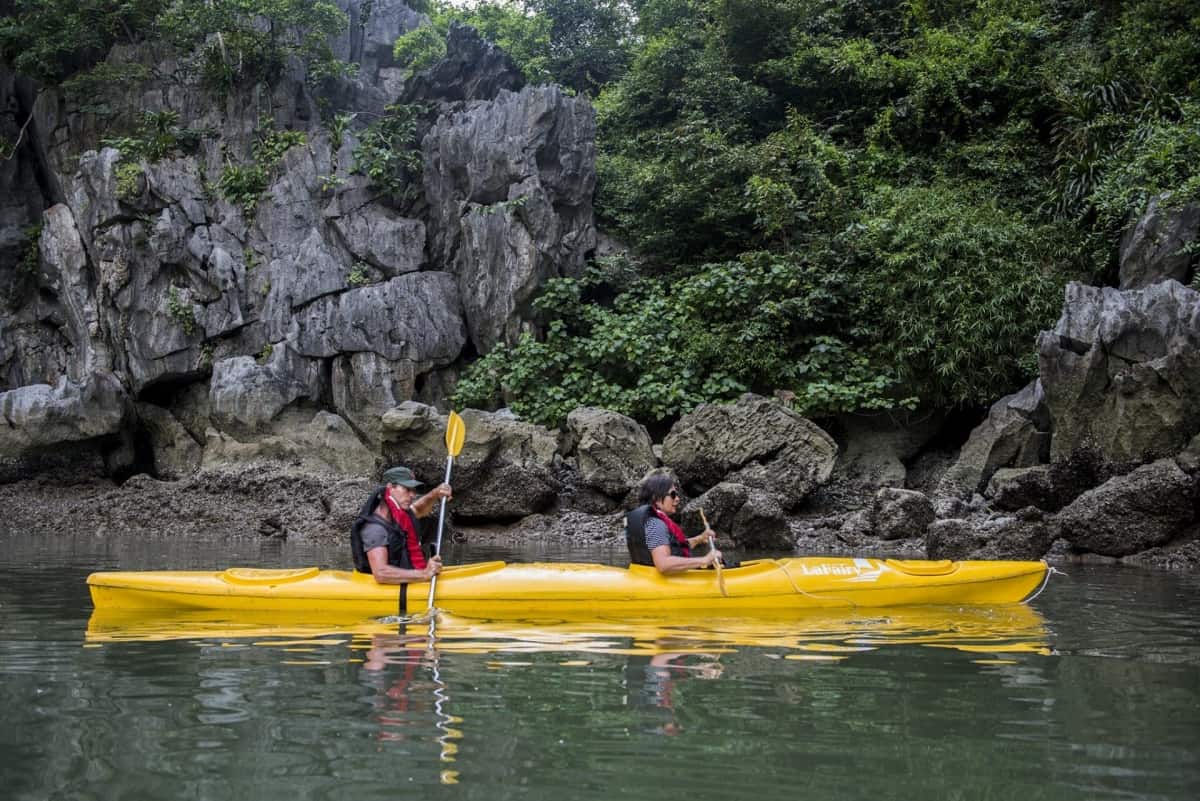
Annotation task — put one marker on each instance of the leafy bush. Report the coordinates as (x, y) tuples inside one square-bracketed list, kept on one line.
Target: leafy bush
[(389, 151), (954, 288), (420, 48), (243, 184)]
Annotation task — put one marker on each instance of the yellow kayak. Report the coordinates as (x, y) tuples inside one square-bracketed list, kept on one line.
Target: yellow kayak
[(513, 591)]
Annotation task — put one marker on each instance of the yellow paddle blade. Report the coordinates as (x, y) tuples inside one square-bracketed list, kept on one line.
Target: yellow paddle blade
[(456, 432)]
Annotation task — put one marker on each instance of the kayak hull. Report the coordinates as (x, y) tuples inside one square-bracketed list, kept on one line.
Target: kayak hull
[(498, 590)]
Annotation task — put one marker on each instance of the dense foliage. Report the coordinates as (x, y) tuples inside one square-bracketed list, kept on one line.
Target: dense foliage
[(868, 203)]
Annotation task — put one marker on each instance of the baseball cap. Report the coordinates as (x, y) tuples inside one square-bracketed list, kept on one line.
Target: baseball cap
[(402, 476)]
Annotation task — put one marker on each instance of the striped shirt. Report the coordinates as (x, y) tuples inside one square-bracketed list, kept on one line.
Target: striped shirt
[(656, 533)]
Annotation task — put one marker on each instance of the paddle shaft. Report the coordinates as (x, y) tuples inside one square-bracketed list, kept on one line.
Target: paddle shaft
[(437, 548), (712, 543)]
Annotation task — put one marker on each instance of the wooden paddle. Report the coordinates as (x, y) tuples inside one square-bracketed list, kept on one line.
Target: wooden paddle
[(712, 543), (456, 433)]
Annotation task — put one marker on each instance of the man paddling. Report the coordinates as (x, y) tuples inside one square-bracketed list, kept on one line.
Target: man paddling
[(383, 539)]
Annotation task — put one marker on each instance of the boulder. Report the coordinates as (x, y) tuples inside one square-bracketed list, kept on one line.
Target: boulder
[(876, 448), (1152, 250), (750, 517), (1014, 488), (753, 442), (1014, 434), (612, 452), (1121, 372), (997, 537), (900, 514), (1142, 509), (505, 470)]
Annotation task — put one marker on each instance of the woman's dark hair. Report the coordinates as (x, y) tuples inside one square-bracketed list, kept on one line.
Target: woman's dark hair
[(655, 487)]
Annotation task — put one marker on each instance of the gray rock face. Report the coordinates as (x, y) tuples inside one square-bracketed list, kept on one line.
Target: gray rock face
[(505, 470), (40, 415), (613, 452), (473, 69), (243, 321), (1014, 434), (1133, 512), (877, 447), (899, 514), (509, 183), (1121, 371), (753, 442), (1151, 249)]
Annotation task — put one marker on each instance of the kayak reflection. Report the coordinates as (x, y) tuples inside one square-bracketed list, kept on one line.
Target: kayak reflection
[(821, 634)]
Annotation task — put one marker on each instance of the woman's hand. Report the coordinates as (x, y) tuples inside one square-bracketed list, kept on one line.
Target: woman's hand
[(432, 567), (711, 558)]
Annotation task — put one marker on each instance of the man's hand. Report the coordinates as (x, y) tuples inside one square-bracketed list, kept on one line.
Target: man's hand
[(432, 567)]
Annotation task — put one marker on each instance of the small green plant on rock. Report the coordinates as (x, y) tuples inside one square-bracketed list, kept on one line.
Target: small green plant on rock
[(181, 311), (264, 355), (31, 257), (129, 176), (359, 275)]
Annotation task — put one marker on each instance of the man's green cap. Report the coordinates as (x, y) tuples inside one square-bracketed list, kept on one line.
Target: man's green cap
[(402, 476)]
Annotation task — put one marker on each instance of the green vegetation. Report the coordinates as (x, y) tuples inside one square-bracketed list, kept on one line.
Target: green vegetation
[(872, 204), (236, 41), (243, 184), (389, 151), (360, 274), (181, 311), (31, 256)]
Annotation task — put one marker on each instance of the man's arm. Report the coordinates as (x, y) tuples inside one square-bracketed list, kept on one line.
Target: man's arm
[(423, 506), (389, 574)]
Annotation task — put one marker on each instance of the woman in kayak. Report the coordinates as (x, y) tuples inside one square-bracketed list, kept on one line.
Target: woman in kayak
[(654, 539), (383, 539)]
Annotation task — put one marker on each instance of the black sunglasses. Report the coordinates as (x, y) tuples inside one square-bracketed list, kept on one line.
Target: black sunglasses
[(673, 494)]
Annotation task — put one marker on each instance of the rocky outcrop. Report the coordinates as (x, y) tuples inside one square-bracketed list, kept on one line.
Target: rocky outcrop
[(612, 452), (1121, 371), (509, 183), (244, 322), (1153, 249), (1148, 507), (898, 513), (1014, 434), (505, 470), (875, 449), (754, 442)]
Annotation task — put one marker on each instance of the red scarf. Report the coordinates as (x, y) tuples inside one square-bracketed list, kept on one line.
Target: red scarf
[(404, 521), (675, 530)]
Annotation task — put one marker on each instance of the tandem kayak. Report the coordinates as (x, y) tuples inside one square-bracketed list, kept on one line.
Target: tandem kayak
[(496, 590)]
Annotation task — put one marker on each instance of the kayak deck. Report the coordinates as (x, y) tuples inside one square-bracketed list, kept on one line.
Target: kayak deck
[(502, 590)]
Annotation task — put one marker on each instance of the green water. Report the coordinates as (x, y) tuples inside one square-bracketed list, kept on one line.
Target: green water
[(1092, 694)]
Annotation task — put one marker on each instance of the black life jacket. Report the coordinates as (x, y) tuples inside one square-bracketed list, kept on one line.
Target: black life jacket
[(397, 542), (635, 537)]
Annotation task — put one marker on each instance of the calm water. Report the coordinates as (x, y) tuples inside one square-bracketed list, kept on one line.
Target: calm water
[(1093, 692)]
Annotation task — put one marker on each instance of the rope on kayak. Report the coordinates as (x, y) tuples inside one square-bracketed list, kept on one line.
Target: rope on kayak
[(1050, 571), (783, 567)]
